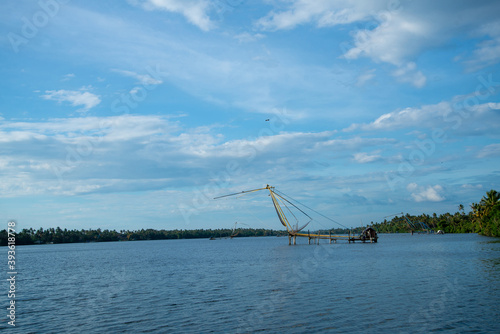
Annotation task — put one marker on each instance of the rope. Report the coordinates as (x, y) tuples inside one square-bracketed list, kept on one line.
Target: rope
[(281, 198), (291, 203), (296, 220), (322, 215)]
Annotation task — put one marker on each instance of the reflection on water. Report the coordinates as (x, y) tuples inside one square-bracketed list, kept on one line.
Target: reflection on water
[(403, 284)]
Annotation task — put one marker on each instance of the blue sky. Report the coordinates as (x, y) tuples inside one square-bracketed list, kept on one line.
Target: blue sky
[(135, 114)]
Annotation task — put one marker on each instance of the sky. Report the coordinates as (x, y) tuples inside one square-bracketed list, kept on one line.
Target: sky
[(136, 114)]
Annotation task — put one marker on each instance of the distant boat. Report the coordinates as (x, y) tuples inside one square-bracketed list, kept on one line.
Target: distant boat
[(440, 232), (211, 238)]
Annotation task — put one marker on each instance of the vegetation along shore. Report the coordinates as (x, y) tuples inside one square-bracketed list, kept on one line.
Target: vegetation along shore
[(484, 219)]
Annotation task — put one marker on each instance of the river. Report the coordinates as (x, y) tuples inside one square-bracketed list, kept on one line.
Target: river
[(402, 284)]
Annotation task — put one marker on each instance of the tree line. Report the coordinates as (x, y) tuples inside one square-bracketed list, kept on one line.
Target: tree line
[(59, 236), (484, 218)]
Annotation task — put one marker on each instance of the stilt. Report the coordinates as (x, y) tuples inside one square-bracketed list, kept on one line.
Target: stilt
[(289, 240), (294, 239)]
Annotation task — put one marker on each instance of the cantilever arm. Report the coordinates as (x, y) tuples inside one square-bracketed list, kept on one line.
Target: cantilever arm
[(242, 192)]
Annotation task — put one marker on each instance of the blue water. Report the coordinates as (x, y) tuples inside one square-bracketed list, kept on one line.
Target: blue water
[(403, 284)]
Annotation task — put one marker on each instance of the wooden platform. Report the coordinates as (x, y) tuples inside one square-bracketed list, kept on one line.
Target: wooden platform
[(330, 237)]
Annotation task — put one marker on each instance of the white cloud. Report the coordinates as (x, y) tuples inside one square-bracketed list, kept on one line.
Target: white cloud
[(323, 13), (398, 32), (247, 37), (143, 79), (92, 154), (409, 73), (219, 71), (68, 76), (488, 51), (392, 33), (411, 187), (406, 118), (195, 11), (472, 186), (365, 77), (364, 157), (73, 130), (17, 136), (396, 40), (74, 97), (340, 144), (489, 151), (458, 114), (425, 194)]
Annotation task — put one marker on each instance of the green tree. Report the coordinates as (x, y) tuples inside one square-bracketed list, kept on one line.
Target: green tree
[(489, 201), (486, 214)]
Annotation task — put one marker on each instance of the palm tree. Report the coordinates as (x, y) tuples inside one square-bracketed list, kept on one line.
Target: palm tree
[(489, 201), (492, 197)]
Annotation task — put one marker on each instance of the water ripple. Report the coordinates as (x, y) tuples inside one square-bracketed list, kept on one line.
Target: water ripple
[(403, 284)]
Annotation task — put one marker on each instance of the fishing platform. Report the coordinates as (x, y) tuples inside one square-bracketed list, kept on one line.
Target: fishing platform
[(279, 199), (368, 235)]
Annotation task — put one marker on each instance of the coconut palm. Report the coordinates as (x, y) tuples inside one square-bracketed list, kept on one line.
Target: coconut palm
[(489, 201)]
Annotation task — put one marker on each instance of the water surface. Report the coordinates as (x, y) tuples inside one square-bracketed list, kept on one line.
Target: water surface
[(403, 284)]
